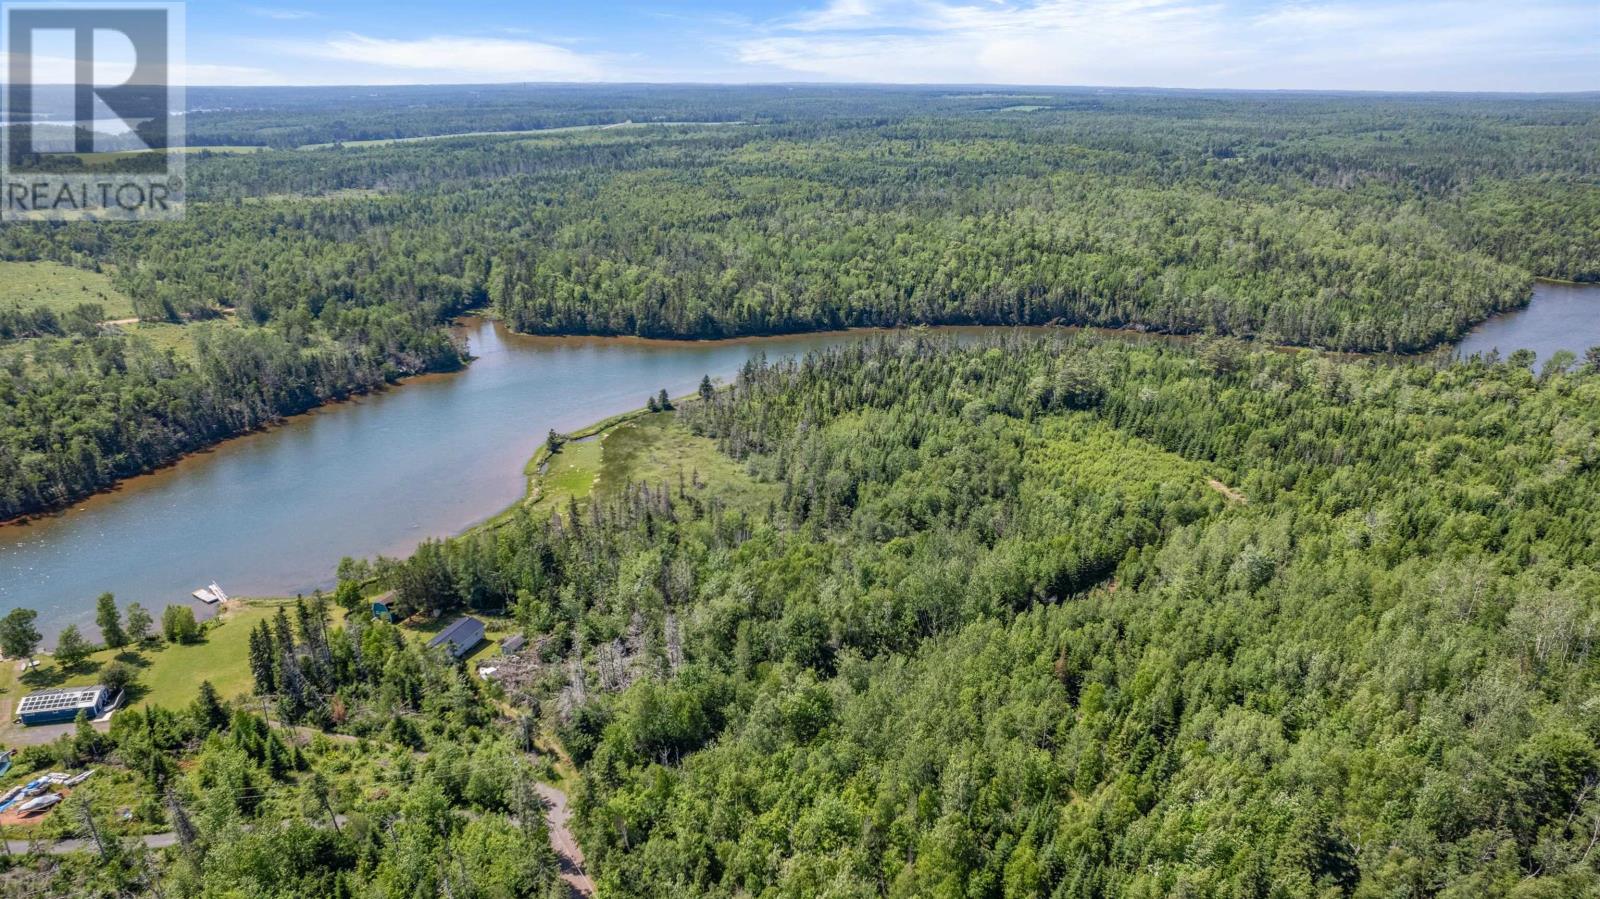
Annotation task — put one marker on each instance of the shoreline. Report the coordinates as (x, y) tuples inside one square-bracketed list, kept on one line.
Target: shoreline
[(468, 318), (1131, 332), (532, 467), (355, 396)]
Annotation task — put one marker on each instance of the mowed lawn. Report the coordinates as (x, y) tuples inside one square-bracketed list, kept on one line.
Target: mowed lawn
[(174, 671), (167, 674), (50, 285)]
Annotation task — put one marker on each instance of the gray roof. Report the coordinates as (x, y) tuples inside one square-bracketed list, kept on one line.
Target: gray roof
[(464, 633), (62, 698), (513, 642)]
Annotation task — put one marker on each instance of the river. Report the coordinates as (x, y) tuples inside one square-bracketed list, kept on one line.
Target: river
[(272, 513), (1561, 316)]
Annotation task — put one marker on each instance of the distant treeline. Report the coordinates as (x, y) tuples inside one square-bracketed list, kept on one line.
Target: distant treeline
[(1346, 222), (1389, 224)]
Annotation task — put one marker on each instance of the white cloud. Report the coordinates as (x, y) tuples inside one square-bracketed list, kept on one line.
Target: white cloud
[(843, 14), (447, 58), (1390, 44)]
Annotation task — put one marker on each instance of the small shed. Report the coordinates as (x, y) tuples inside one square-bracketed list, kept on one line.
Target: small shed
[(512, 643), (62, 705), (460, 637), (383, 607)]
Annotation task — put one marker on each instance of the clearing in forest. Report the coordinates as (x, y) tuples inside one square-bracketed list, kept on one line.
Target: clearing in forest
[(653, 449), (59, 288)]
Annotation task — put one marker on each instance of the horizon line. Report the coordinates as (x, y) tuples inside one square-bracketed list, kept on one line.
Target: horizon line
[(902, 85)]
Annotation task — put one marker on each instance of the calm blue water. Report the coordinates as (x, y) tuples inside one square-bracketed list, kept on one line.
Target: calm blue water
[(1560, 317), (272, 513)]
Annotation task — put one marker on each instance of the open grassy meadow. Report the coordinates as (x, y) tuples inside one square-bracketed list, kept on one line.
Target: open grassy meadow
[(657, 449), (646, 448), (571, 473), (59, 288)]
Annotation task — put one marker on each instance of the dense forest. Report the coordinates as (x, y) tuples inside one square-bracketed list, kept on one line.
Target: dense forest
[(78, 415), (1358, 223), (1081, 619)]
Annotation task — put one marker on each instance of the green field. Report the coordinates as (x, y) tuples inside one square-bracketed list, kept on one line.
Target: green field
[(657, 449), (167, 673), (571, 473), (59, 288), (168, 336), (646, 448)]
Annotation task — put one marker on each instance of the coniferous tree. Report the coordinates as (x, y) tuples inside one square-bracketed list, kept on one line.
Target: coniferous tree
[(86, 741), (207, 711), (263, 660), (292, 693)]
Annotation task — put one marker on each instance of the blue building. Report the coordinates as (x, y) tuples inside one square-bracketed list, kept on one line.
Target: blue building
[(383, 607), (460, 637), (62, 705)]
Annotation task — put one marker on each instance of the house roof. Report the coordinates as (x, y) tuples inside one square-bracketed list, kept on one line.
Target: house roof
[(62, 698), (462, 632), (513, 642)]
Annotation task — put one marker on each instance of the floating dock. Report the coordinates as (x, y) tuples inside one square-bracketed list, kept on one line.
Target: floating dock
[(211, 594)]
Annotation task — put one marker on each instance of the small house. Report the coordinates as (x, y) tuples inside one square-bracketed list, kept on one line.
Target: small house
[(62, 705), (383, 607), (460, 637), (512, 643)]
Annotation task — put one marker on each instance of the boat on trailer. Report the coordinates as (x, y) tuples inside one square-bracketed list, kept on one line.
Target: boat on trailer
[(48, 800)]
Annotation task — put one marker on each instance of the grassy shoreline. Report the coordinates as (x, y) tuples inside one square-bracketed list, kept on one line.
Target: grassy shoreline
[(534, 470)]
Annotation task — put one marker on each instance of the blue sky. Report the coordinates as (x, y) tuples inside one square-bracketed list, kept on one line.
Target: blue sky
[(1521, 45)]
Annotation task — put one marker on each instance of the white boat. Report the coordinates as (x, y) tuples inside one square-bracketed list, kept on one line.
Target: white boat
[(39, 804), (211, 594)]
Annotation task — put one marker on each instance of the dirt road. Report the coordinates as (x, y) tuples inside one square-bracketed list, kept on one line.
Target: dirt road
[(558, 816)]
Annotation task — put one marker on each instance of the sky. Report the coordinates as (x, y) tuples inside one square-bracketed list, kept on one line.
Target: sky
[(1454, 45)]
